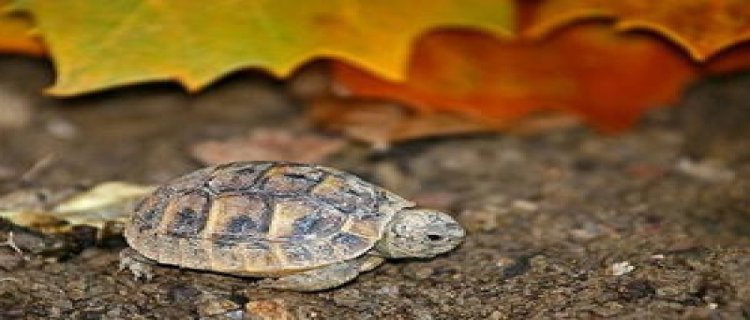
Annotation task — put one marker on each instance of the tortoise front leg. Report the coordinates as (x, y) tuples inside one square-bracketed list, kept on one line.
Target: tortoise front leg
[(137, 264), (324, 278)]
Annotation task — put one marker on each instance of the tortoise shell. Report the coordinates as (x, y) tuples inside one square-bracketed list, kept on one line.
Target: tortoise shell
[(261, 218)]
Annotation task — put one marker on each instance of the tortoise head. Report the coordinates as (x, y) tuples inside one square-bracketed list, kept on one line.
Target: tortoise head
[(420, 233)]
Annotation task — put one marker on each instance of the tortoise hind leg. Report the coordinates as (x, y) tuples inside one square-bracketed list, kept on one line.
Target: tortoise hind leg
[(324, 278), (137, 264)]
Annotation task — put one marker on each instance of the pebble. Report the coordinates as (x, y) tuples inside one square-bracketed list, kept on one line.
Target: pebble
[(496, 315), (621, 268), (62, 129), (524, 205)]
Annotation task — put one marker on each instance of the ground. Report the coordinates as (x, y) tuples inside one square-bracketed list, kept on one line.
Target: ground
[(652, 223)]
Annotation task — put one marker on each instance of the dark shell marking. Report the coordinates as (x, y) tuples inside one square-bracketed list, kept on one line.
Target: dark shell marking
[(261, 218)]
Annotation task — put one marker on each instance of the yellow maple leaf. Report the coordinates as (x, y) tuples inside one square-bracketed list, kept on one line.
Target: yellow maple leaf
[(97, 45)]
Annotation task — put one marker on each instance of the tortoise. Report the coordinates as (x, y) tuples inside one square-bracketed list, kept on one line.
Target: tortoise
[(303, 227)]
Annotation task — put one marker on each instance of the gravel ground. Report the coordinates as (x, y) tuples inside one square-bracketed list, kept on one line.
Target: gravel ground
[(653, 223)]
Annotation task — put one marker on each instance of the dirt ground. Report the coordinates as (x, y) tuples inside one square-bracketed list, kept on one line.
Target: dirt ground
[(653, 223)]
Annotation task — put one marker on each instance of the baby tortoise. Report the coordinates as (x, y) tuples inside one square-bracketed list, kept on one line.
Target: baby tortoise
[(305, 227)]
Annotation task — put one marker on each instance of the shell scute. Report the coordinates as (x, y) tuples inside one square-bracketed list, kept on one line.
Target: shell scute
[(348, 195), (291, 178), (186, 216), (238, 216), (235, 178), (151, 210)]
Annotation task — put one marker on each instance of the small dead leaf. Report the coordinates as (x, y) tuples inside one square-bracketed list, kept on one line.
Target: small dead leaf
[(380, 123), (268, 145), (108, 202)]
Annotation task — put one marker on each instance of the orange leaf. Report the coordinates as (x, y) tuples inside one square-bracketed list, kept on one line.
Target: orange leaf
[(15, 34), (607, 78), (702, 27), (732, 60)]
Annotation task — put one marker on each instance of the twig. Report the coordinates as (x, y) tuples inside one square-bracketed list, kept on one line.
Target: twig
[(38, 168)]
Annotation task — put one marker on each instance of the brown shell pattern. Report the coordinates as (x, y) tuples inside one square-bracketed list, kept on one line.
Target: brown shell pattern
[(261, 218)]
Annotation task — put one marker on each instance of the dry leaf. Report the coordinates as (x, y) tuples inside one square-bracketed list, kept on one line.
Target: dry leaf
[(379, 123), (702, 27), (16, 34), (607, 78), (98, 206), (268, 145)]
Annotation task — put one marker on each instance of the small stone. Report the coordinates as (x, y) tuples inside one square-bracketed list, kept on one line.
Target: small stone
[(657, 257), (274, 309), (496, 315), (621, 268), (589, 231), (62, 129)]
